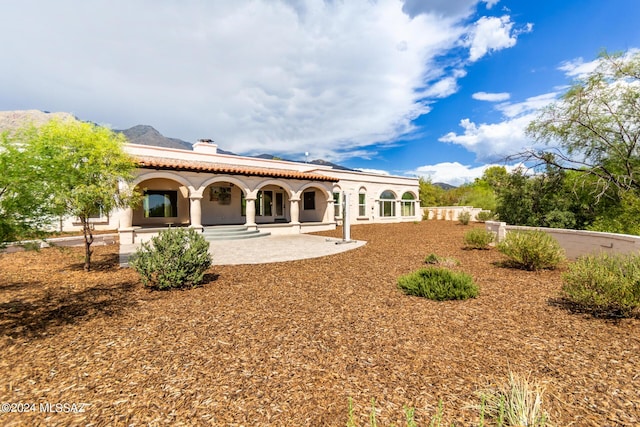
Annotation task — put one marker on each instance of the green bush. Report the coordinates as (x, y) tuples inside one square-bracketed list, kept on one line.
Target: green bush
[(175, 258), (438, 284), (446, 262), (483, 216), (464, 217), (531, 250), (605, 283), (478, 238)]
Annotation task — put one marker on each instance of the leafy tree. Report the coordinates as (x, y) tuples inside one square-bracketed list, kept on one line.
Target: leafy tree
[(26, 207), (594, 129), (70, 167)]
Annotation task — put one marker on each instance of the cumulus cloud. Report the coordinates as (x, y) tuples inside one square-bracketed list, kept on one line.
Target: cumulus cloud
[(491, 97), (492, 34), (453, 173), (492, 142), (577, 67), (336, 79), (376, 171)]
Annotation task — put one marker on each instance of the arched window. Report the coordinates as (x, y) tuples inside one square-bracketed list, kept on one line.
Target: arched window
[(362, 202), (387, 204), (408, 204), (337, 205)]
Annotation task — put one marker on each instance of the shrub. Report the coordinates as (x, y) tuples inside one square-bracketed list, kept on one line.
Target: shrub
[(531, 250), (464, 217), (438, 284), (425, 215), (177, 257), (516, 403), (435, 259), (483, 216), (605, 283), (478, 238)]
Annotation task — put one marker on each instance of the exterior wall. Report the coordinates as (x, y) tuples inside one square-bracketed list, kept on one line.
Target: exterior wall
[(450, 213), (577, 242), (194, 187), (373, 186)]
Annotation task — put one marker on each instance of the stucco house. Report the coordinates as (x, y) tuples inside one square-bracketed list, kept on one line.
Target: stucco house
[(203, 188)]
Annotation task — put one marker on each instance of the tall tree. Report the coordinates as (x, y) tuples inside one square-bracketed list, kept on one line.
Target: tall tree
[(77, 166), (594, 128)]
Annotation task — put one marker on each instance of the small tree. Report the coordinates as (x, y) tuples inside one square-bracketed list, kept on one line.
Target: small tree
[(70, 167)]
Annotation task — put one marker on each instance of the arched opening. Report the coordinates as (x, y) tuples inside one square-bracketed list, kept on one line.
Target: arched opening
[(313, 204), (164, 202), (223, 203), (273, 203)]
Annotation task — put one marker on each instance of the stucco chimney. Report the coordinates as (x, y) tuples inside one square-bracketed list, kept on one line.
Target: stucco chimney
[(205, 146)]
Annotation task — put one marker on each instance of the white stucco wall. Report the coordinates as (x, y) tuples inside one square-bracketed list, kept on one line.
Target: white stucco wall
[(576, 242)]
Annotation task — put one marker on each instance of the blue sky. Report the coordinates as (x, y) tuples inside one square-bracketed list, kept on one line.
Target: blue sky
[(437, 88)]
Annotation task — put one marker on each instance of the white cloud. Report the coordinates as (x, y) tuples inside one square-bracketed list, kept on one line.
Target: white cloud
[(577, 67), (491, 97), (492, 34), (336, 79), (376, 171), (455, 173), (491, 3), (493, 142), (323, 77)]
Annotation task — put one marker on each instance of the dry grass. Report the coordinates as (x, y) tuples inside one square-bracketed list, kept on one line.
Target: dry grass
[(288, 343)]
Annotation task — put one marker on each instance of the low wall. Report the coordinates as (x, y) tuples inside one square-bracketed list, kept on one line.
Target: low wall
[(576, 242), (449, 213)]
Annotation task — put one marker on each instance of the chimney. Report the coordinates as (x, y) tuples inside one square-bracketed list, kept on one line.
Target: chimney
[(205, 146)]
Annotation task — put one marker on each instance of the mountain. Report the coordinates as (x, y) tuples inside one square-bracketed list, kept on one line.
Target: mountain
[(313, 162), (10, 120), (147, 135), (444, 185)]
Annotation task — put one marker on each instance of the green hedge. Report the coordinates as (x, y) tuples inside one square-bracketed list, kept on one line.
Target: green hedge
[(605, 282), (532, 250), (177, 257), (438, 284)]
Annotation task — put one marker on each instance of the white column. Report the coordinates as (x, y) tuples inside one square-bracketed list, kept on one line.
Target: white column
[(346, 217), (126, 218), (251, 212), (195, 213), (295, 211)]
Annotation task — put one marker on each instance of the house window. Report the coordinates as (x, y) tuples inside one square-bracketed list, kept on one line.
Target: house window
[(160, 204), (243, 204), (408, 205), (309, 200), (387, 204), (337, 208), (362, 204)]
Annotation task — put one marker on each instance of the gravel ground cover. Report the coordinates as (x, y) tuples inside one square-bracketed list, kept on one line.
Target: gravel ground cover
[(289, 343)]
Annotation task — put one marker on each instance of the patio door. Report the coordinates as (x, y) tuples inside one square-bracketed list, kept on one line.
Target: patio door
[(279, 205)]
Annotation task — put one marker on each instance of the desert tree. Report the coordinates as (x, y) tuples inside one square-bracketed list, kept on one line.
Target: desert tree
[(73, 168), (594, 128)]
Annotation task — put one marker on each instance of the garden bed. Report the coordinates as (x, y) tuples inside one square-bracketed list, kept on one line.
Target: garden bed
[(289, 343)]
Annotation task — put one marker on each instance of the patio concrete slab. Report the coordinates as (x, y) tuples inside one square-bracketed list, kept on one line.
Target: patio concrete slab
[(268, 249)]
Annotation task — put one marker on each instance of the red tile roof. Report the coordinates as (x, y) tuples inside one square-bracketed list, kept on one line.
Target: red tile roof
[(162, 163)]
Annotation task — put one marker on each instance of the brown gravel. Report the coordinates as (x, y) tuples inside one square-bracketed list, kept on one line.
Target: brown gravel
[(287, 344)]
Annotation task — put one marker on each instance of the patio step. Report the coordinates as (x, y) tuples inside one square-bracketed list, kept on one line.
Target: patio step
[(231, 232)]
